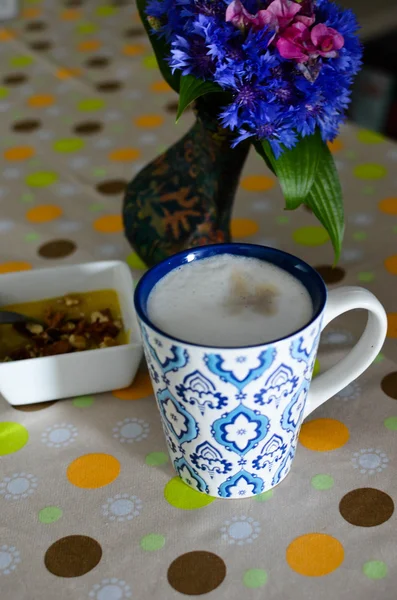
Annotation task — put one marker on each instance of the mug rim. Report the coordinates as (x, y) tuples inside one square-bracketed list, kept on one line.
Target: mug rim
[(181, 258)]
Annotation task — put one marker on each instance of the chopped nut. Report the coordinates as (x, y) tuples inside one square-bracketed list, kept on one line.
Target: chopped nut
[(108, 342), (71, 301), (70, 326), (34, 328), (99, 317), (60, 347), (78, 341), (118, 324)]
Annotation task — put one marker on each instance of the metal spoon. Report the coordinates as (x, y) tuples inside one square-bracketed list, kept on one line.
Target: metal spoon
[(8, 317)]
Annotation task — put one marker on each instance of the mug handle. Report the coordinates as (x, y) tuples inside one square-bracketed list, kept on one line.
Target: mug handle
[(364, 352)]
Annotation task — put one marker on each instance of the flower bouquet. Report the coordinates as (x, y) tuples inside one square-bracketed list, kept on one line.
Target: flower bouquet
[(278, 75)]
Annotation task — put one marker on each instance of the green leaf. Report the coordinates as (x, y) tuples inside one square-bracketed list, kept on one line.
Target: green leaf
[(259, 147), (160, 48), (326, 201), (296, 168), (192, 88)]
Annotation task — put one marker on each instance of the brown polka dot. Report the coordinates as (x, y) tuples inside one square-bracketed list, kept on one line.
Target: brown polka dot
[(36, 26), (57, 249), (109, 86), (15, 79), (35, 407), (366, 507), (196, 573), (88, 127), (389, 385), (331, 274), (134, 32), (111, 187), (41, 45), (26, 125), (172, 106), (98, 62), (73, 556), (73, 3)]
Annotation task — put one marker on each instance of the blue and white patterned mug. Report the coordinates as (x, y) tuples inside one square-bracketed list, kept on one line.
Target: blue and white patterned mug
[(231, 416)]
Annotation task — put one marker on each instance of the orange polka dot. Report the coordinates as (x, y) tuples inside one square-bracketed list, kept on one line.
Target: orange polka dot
[(92, 471), (6, 35), (392, 325), (335, 146), (135, 17), (323, 435), (41, 100), (19, 153), (44, 213), (31, 13), (257, 183), (315, 554), (391, 264), (160, 87), (70, 15), (141, 387), (89, 46), (109, 224), (14, 265), (388, 206), (243, 228), (133, 49), (125, 154), (65, 73), (149, 121)]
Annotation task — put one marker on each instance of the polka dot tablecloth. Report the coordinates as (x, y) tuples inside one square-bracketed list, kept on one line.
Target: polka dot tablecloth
[(90, 507)]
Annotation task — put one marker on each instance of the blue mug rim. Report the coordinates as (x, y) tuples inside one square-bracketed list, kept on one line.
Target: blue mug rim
[(297, 267)]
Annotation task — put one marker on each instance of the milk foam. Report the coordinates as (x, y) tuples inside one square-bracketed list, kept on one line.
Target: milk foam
[(229, 301)]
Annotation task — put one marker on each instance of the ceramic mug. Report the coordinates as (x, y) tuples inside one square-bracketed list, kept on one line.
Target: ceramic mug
[(231, 416)]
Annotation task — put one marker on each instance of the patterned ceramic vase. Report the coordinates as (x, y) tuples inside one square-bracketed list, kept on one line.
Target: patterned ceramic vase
[(184, 198), (231, 416)]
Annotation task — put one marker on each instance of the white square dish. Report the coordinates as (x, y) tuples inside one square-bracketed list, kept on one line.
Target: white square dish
[(92, 371)]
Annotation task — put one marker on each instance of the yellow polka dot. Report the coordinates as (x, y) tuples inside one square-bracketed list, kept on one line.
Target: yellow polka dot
[(44, 213), (257, 183), (391, 264), (6, 35), (370, 137), (310, 236), (315, 554), (243, 228), (109, 224), (65, 73), (392, 325), (19, 153), (370, 171), (91, 104), (335, 146), (106, 10), (13, 266), (150, 62), (89, 46), (125, 154), (133, 49), (180, 495), (135, 262), (160, 87), (13, 437), (323, 435), (70, 15), (149, 121), (67, 145), (31, 13), (388, 206), (41, 100), (141, 387), (92, 471), (316, 369), (41, 178), (21, 61)]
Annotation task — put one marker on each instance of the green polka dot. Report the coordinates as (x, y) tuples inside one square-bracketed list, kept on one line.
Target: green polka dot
[(50, 514), (68, 145), (156, 459), (370, 137), (360, 236), (162, 148), (13, 437), (152, 542), (99, 171), (370, 171), (316, 369), (32, 237), (86, 28), (135, 262), (282, 220), (96, 207), (150, 62), (91, 104), (380, 358), (3, 92), (322, 482), (106, 11), (375, 569), (368, 190), (21, 61), (391, 423), (180, 495), (27, 197), (41, 178), (254, 578), (83, 401), (351, 154), (264, 497), (310, 236), (366, 276)]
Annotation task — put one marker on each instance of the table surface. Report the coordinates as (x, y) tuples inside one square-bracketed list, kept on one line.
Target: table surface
[(89, 504)]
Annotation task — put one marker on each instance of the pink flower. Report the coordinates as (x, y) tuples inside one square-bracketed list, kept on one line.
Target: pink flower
[(238, 15), (278, 15), (326, 41), (298, 43)]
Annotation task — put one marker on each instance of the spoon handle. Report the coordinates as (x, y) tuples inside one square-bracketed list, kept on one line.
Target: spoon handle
[(8, 317)]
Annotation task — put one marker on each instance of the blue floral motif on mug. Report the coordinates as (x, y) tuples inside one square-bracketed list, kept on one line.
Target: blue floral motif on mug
[(207, 458), (240, 485), (293, 412), (179, 421), (198, 389), (240, 430), (271, 453), (280, 384), (189, 475)]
